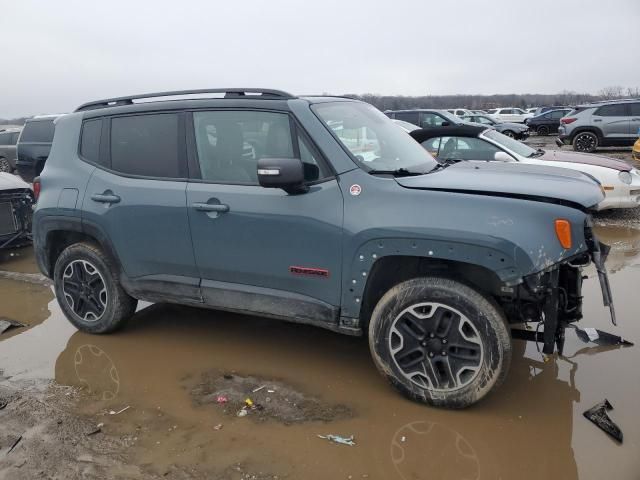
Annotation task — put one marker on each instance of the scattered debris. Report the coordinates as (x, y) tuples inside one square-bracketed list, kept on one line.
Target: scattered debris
[(600, 338), (7, 323), (221, 399), (113, 412), (14, 444), (98, 429), (338, 439), (227, 376), (403, 439), (3, 403), (598, 416), (218, 427), (258, 389), (242, 412), (248, 402), (271, 391)]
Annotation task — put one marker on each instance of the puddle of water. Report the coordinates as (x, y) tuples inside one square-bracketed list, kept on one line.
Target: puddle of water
[(532, 427), (18, 260)]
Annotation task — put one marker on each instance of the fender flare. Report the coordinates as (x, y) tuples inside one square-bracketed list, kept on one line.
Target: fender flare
[(356, 270)]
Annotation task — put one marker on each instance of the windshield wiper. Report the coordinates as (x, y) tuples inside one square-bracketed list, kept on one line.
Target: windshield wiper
[(398, 172), (446, 162), (537, 153)]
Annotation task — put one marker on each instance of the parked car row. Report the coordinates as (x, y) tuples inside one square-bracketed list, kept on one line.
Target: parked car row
[(334, 217)]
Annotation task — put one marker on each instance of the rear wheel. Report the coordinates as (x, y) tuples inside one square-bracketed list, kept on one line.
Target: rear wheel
[(88, 291), (5, 166), (542, 130), (585, 142), (440, 342), (509, 133)]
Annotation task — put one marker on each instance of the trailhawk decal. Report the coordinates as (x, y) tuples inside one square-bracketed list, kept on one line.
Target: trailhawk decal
[(308, 271)]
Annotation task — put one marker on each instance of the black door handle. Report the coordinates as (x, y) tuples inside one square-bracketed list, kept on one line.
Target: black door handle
[(105, 197), (211, 207)]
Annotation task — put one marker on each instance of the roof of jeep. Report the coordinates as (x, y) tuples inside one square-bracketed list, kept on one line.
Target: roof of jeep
[(452, 131), (184, 99)]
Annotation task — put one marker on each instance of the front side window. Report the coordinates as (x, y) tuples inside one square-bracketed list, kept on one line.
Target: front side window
[(461, 148), (484, 120), (510, 143), (432, 120), (506, 111), (558, 114), (618, 110), (40, 131), (230, 143), (5, 138), (635, 109), (146, 145), (372, 138)]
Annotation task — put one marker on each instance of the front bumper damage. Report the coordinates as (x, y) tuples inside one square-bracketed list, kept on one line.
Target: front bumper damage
[(552, 299), (16, 212)]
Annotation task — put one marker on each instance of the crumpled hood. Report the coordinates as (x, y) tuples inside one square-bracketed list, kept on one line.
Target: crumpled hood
[(586, 158), (518, 180), (9, 181)]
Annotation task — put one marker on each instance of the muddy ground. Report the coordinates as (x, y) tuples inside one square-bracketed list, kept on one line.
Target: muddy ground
[(179, 376)]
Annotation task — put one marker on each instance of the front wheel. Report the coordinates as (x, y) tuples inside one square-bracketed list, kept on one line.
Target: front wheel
[(5, 166), (440, 342), (543, 130), (509, 133), (88, 292)]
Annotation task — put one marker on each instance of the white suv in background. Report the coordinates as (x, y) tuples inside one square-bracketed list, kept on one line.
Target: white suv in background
[(460, 112), (510, 114)]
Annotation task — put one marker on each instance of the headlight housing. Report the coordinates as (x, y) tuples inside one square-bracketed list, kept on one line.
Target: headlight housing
[(625, 177)]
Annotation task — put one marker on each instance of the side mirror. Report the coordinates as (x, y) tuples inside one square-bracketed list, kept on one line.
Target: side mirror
[(284, 173), (446, 124), (502, 157)]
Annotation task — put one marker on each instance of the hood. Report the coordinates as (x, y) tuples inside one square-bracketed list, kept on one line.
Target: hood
[(9, 182), (586, 158), (517, 180)]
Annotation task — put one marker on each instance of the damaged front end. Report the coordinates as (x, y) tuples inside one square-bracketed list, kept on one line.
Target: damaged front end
[(552, 298), (16, 212)]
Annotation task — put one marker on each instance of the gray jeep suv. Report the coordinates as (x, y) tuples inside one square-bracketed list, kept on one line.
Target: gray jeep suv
[(603, 124), (315, 210)]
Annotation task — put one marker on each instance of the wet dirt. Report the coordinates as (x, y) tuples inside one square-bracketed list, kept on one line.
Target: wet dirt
[(170, 360)]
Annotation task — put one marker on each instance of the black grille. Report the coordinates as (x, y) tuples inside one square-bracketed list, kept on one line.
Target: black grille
[(7, 220)]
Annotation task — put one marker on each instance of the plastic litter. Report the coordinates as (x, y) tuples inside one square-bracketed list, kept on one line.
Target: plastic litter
[(227, 376), (243, 412), (248, 402), (98, 429), (598, 416), (599, 337), (7, 323), (218, 427), (258, 389), (113, 412), (221, 399), (14, 444), (3, 403), (339, 439), (271, 391)]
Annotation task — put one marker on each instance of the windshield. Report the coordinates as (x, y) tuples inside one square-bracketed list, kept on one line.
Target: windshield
[(372, 138), (510, 143)]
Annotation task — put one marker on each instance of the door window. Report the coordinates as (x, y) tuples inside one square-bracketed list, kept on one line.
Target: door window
[(506, 111), (431, 120), (5, 138), (38, 132), (558, 114), (230, 143), (616, 110), (635, 109), (411, 117), (146, 145)]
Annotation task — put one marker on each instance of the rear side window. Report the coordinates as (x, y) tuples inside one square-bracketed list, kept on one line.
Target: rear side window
[(558, 114), (618, 110), (411, 117), (90, 141), (40, 131), (635, 109), (146, 145)]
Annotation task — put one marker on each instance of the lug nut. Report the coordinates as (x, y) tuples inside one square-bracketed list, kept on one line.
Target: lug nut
[(424, 344), (444, 354), (431, 354), (444, 340), (432, 335)]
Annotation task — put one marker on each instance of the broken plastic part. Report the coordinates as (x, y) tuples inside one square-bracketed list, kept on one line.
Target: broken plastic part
[(7, 323), (338, 439), (598, 416), (599, 337)]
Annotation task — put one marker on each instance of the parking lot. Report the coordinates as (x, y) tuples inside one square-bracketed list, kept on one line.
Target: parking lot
[(145, 402)]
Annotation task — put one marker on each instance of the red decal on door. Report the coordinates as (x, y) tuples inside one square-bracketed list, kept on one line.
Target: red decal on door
[(310, 272)]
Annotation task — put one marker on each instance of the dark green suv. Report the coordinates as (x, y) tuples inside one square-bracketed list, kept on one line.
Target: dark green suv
[(317, 210)]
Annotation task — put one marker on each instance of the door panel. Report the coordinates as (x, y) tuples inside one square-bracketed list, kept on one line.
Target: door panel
[(267, 238), (146, 221)]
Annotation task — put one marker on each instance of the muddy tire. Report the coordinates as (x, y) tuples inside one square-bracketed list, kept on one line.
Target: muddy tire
[(542, 130), (586, 142), (88, 292), (440, 342), (5, 166)]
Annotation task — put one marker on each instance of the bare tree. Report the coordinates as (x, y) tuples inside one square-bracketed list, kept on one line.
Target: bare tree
[(613, 92)]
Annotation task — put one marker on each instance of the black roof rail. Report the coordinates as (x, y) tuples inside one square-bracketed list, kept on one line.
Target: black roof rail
[(264, 93)]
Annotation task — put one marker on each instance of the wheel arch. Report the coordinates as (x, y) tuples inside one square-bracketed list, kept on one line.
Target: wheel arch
[(380, 264)]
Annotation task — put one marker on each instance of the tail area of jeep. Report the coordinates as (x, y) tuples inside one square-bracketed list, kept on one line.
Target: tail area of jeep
[(316, 210)]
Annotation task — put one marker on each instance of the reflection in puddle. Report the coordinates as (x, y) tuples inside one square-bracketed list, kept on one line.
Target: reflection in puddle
[(532, 427)]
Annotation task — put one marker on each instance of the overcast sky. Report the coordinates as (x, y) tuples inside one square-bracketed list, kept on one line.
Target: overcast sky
[(62, 53)]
